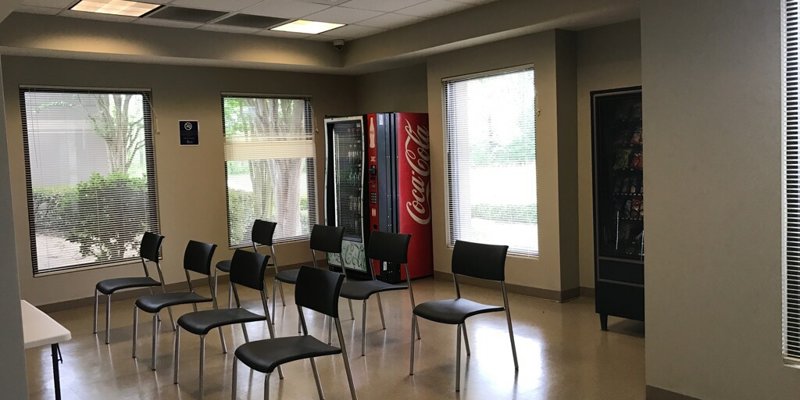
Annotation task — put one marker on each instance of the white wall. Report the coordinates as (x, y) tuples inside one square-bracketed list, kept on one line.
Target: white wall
[(12, 380), (712, 120)]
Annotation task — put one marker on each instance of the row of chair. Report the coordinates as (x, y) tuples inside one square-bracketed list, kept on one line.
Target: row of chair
[(247, 269)]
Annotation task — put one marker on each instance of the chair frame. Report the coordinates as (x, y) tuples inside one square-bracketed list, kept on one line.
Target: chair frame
[(258, 237), (233, 286), (156, 320), (376, 251), (318, 233), (457, 270), (143, 258), (335, 317)]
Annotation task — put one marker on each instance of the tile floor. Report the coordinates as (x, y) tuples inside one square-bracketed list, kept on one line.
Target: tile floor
[(562, 353)]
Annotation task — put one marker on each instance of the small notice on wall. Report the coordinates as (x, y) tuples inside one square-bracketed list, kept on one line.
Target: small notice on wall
[(189, 133)]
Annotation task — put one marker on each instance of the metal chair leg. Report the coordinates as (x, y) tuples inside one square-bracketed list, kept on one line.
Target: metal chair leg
[(316, 379), (364, 328), (94, 322), (222, 341), (266, 387), (350, 304), (176, 358), (511, 336), (274, 284), (458, 358), (380, 309), (108, 318), (345, 359), (135, 328), (413, 328), (155, 341), (233, 380), (202, 361), (466, 338)]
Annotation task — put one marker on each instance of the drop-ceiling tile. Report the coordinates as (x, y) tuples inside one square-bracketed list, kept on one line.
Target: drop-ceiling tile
[(381, 5), (216, 5), (281, 34), (343, 15), (352, 32), (433, 8), (284, 9), (390, 20)]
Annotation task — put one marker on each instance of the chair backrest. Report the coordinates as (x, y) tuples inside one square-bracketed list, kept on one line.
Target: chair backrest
[(262, 232), (326, 238), (318, 289), (150, 245), (248, 268), (478, 260), (197, 257), (389, 247)]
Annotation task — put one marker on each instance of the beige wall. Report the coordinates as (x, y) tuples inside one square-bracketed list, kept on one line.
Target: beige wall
[(542, 272), (12, 380), (191, 183), (400, 89), (608, 57), (712, 116)]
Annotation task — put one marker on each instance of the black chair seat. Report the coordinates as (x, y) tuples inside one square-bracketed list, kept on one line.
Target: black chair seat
[(288, 275), (361, 290), (201, 322), (224, 265), (266, 355), (155, 303), (452, 311), (110, 286)]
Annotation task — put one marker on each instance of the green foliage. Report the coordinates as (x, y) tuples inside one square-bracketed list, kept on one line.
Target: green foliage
[(106, 215), (240, 215), (523, 214), (52, 208)]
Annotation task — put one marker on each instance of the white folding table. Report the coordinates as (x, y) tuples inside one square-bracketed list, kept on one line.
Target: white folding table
[(38, 329)]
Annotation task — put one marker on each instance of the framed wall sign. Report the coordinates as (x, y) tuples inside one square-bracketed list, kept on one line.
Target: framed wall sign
[(189, 133)]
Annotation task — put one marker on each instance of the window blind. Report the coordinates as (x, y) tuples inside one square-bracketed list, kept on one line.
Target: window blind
[(791, 231), (90, 174), (269, 166), (491, 159)]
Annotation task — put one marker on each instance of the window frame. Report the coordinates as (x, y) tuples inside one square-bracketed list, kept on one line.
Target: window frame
[(311, 173), (450, 186), (150, 161)]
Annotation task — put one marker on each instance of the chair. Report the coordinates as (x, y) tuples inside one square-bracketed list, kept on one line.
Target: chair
[(475, 260), (148, 251), (318, 290), (323, 238), (385, 248), (246, 269), (197, 258), (261, 234)]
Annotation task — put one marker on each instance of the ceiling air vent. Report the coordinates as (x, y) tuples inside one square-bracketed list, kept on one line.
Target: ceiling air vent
[(186, 14), (251, 21)]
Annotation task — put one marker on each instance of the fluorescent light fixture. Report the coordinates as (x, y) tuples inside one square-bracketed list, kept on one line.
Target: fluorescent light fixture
[(304, 26), (115, 7)]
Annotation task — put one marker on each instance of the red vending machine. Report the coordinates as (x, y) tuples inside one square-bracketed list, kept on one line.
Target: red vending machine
[(395, 194), (399, 183)]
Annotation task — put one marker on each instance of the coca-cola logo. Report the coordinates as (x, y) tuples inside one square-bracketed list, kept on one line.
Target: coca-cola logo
[(417, 150)]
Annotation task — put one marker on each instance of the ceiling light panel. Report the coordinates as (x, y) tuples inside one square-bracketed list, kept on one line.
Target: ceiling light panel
[(305, 26), (115, 7)]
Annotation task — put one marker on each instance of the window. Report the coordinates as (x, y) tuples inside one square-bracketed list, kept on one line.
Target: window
[(269, 166), (791, 187), (90, 176), (491, 165)]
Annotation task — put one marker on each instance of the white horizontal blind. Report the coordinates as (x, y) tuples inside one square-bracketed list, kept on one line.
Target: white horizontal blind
[(90, 173), (269, 160), (791, 231), (491, 159)]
